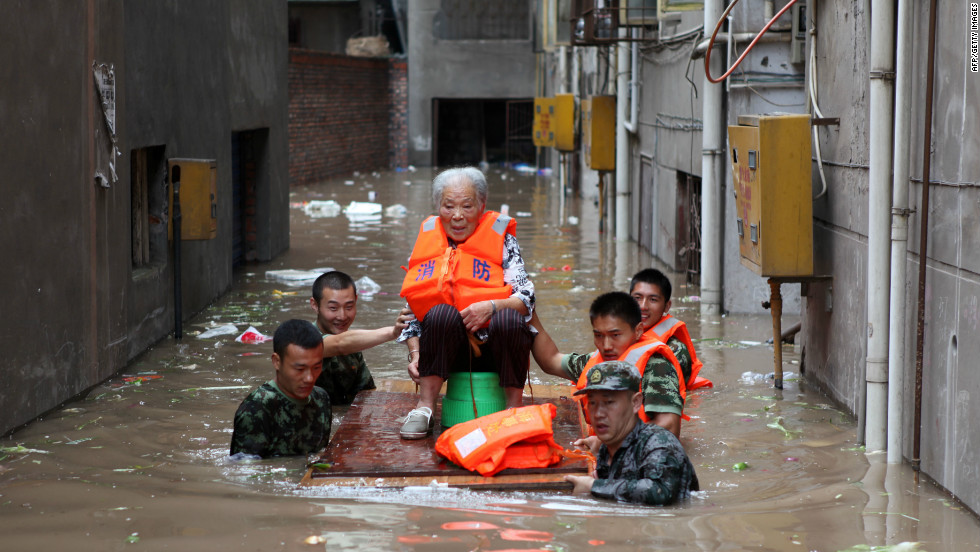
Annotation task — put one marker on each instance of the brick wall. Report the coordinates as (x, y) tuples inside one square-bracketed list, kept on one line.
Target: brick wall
[(345, 114)]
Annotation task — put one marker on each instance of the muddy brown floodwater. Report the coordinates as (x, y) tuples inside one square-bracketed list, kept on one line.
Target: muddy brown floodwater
[(141, 462)]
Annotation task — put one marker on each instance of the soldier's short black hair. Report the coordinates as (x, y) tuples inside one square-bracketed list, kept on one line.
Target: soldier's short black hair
[(335, 280), (653, 277), (617, 304), (296, 332)]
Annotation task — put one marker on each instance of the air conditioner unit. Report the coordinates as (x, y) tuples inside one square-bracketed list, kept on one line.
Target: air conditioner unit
[(594, 22)]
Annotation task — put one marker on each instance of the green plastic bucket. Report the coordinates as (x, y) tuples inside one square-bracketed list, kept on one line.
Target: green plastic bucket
[(457, 405)]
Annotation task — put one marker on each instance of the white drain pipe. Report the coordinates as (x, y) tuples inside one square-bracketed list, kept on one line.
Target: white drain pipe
[(712, 175), (622, 139), (879, 217), (900, 231)]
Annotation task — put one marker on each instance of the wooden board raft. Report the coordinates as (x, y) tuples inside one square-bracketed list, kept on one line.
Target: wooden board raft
[(366, 450)]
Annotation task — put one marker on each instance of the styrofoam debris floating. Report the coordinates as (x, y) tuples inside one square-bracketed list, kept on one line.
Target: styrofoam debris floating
[(396, 210), (321, 209), (363, 208), (292, 276)]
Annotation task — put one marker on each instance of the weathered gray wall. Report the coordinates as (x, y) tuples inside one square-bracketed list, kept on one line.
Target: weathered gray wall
[(188, 74), (835, 342), (487, 69)]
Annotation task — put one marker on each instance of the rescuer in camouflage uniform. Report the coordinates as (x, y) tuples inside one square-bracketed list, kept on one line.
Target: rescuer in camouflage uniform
[(635, 462), (288, 415), (616, 327), (345, 373)]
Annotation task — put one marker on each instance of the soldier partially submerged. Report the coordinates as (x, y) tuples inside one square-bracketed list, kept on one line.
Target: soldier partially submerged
[(287, 415), (635, 462)]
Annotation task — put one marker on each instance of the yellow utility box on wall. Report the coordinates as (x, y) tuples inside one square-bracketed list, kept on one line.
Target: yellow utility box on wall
[(543, 133), (198, 198), (770, 156), (564, 122), (599, 132)]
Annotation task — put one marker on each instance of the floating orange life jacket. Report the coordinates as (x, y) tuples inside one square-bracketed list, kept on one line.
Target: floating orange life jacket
[(668, 327), (471, 272), (638, 354), (513, 438)]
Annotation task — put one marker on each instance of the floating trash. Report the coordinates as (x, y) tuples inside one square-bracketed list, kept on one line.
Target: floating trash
[(396, 210), (573, 220), (363, 208), (739, 466), (252, 335), (523, 214), (322, 209), (224, 329), (292, 277), (367, 286)]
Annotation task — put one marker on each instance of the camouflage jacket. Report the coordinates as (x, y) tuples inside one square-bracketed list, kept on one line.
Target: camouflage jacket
[(343, 376), (661, 390), (269, 423), (650, 467)]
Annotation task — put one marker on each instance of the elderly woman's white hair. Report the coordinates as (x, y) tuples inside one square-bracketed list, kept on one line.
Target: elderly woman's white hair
[(453, 176)]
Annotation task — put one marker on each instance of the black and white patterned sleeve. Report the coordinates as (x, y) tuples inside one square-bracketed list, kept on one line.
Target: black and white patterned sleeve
[(516, 275)]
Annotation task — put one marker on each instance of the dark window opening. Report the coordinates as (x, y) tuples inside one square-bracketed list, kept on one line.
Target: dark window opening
[(689, 226), (247, 175), (470, 131), (149, 206)]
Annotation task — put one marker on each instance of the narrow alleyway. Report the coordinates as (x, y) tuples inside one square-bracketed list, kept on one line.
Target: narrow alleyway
[(141, 462)]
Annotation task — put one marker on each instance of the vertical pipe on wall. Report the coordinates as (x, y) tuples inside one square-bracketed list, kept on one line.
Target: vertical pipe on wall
[(900, 232), (881, 78), (622, 213), (712, 181), (923, 238)]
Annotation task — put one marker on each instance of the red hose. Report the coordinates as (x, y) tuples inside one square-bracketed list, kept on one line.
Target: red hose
[(707, 55)]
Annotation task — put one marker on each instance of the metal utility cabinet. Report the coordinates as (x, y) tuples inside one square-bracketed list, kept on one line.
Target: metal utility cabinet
[(771, 168), (198, 197), (770, 156)]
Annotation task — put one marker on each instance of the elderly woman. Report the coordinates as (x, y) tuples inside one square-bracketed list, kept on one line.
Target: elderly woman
[(465, 277)]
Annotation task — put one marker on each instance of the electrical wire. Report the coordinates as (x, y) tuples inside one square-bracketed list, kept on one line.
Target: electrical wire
[(816, 109), (707, 54)]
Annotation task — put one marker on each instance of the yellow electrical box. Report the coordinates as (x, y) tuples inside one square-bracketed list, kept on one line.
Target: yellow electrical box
[(543, 132), (771, 164), (599, 132), (198, 197), (564, 122)]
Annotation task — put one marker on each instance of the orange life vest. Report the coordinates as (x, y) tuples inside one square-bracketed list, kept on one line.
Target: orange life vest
[(638, 354), (471, 272), (668, 327), (513, 438)]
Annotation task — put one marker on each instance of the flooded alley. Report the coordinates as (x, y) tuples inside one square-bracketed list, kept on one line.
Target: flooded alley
[(141, 461)]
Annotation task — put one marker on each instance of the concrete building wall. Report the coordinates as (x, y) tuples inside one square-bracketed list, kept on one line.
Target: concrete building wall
[(835, 342), (345, 114), (438, 68), (184, 82)]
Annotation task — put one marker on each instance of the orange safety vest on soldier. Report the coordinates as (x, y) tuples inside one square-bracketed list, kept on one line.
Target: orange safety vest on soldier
[(517, 438), (668, 327), (459, 276), (638, 355)]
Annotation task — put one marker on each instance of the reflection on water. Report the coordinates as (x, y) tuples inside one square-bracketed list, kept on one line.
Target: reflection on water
[(141, 461)]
